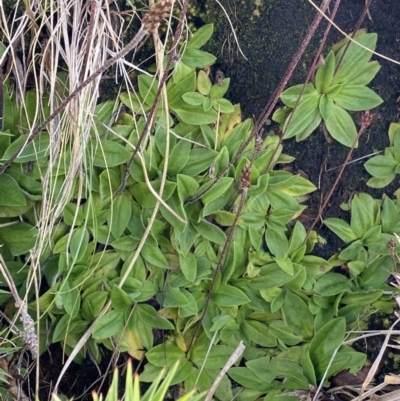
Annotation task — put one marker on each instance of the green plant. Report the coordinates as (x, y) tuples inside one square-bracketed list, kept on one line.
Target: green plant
[(384, 168), (205, 270), (340, 85)]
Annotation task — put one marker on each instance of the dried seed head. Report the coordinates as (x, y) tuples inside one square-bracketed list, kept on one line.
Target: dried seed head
[(245, 179), (366, 118), (29, 337), (391, 245), (151, 20)]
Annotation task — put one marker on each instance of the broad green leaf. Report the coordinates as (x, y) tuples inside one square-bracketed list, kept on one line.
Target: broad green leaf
[(200, 159), (37, 149), (223, 106), (63, 327), (299, 186), (357, 98), (284, 333), (389, 215), (210, 232), (285, 264), (109, 325), (196, 58), (31, 188), (277, 243), (290, 95), (193, 98), (188, 266), (341, 126), (217, 91), (325, 106), (258, 333), (19, 237), (366, 73), (361, 297), (187, 187), (361, 220), (148, 315), (354, 57), (304, 119), (324, 75), (332, 284), (227, 295), (203, 83), (145, 197), (154, 256), (176, 92), (195, 115), (172, 297), (178, 158), (341, 228), (110, 154), (148, 86), (120, 213), (201, 36), (297, 237), (381, 166), (207, 104), (297, 316), (164, 355), (121, 301), (324, 344), (11, 194), (93, 304), (246, 378), (376, 182), (79, 242), (214, 358), (217, 190)]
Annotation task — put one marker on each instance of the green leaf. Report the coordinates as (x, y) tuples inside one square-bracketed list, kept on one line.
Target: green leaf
[(145, 198), (154, 256), (93, 304), (207, 104), (187, 187), (341, 228), (120, 213), (223, 106), (200, 159), (173, 298), (277, 243), (148, 315), (196, 58), (217, 91), (148, 86), (297, 316), (354, 57), (381, 166), (11, 194), (110, 154), (325, 106), (258, 333), (120, 300), (324, 75), (217, 190), (366, 297), (376, 182), (304, 119), (341, 126), (290, 95), (324, 344), (285, 264), (332, 284), (203, 83), (201, 36), (19, 237), (188, 266), (163, 355), (79, 243), (193, 98), (210, 232), (195, 115), (176, 92), (109, 325), (227, 295), (36, 150), (389, 215), (357, 98), (366, 73), (361, 218), (71, 299)]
